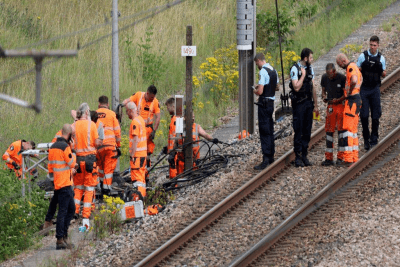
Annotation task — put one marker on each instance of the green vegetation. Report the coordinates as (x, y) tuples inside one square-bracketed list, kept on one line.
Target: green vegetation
[(317, 24), (107, 218), (20, 216)]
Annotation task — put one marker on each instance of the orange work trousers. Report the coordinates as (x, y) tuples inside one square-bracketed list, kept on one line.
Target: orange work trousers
[(334, 120), (180, 160), (107, 165), (348, 139), (150, 143), (138, 174), (173, 171), (85, 181)]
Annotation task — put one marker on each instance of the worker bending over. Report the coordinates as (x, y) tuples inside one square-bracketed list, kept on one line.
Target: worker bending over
[(61, 166), (352, 105), (177, 159), (137, 148), (149, 109), (108, 152), (86, 140), (13, 156)]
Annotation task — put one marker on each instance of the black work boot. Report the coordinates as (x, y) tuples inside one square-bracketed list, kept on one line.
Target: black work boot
[(264, 164), (341, 163), (298, 162), (327, 163), (305, 160), (67, 242), (61, 244), (367, 146)]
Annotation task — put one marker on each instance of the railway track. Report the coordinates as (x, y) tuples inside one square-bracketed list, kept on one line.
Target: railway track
[(194, 243), (299, 225)]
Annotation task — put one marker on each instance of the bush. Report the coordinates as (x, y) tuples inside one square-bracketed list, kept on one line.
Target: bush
[(107, 218), (20, 216)]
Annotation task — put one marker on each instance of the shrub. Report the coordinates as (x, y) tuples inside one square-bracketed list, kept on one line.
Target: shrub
[(20, 216), (107, 218)]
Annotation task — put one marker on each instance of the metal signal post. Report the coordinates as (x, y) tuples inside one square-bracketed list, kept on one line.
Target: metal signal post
[(246, 45)]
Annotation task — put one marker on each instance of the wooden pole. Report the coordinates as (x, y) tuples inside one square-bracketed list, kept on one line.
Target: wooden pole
[(189, 111)]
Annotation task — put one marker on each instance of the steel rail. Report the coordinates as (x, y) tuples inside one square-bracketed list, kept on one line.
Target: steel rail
[(317, 201), (243, 192)]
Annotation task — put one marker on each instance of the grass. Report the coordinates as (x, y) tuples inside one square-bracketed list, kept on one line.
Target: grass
[(69, 82), (324, 34)]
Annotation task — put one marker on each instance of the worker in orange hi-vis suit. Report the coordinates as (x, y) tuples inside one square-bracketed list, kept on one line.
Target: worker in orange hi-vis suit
[(13, 156), (197, 131), (109, 151), (62, 164), (149, 109), (333, 84), (349, 138), (86, 139), (170, 104), (137, 148)]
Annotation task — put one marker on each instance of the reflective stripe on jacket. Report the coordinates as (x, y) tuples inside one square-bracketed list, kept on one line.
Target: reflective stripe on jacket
[(112, 129), (61, 161), (85, 136), (137, 128), (351, 70), (172, 134)]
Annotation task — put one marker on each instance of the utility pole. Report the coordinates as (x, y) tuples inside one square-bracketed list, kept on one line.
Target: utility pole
[(38, 56), (115, 58), (115, 63), (189, 111), (246, 45)]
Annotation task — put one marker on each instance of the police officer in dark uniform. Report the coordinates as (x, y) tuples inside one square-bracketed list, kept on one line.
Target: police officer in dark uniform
[(373, 66), (267, 85), (304, 102)]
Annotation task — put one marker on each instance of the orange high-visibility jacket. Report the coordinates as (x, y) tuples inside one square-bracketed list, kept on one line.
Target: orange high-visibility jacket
[(61, 161), (58, 134), (137, 128), (195, 137), (85, 136), (112, 130), (351, 70), (11, 155), (172, 134), (146, 109)]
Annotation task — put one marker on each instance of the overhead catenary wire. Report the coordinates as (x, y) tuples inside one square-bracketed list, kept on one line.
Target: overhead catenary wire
[(162, 9)]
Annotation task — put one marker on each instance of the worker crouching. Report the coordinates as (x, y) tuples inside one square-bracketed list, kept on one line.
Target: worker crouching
[(86, 140), (137, 148)]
